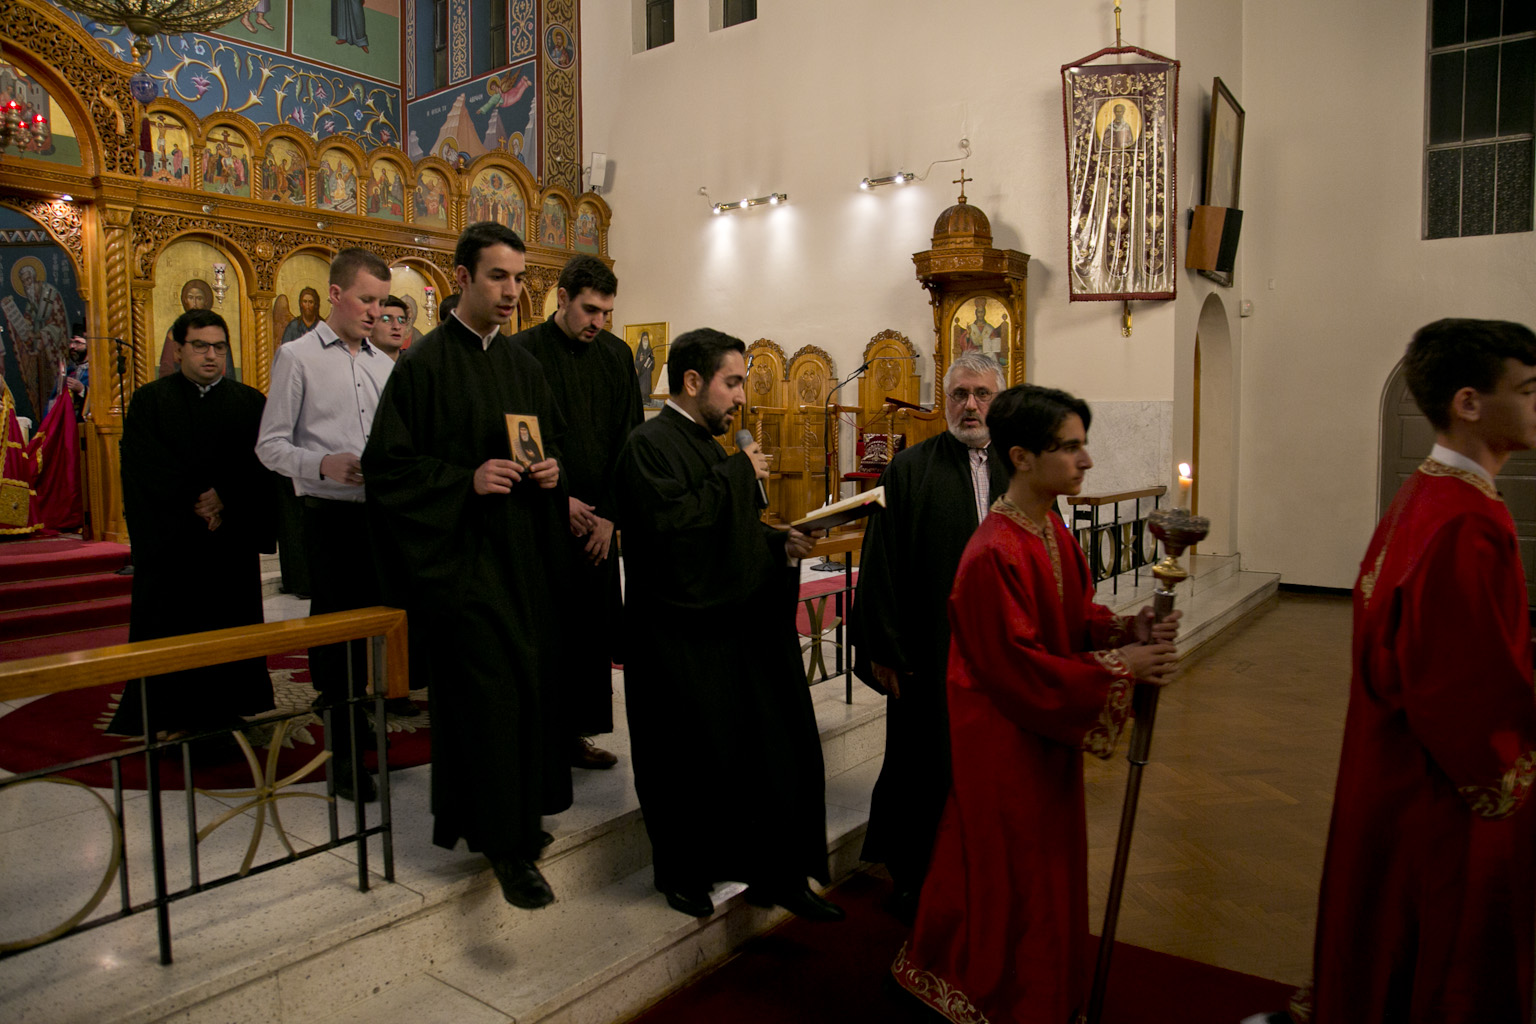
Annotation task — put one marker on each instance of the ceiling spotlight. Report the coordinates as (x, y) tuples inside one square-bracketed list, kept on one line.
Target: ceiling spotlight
[(899, 178), (771, 199)]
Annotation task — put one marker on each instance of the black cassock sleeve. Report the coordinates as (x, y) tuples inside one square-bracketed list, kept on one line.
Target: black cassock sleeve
[(876, 622)]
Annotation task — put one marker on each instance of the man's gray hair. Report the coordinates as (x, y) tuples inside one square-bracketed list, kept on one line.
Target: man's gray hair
[(978, 363)]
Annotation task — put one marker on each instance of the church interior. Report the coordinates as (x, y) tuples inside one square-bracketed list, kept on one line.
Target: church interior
[(789, 173)]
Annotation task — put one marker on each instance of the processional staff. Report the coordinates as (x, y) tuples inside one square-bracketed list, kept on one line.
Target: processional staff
[(1178, 529)]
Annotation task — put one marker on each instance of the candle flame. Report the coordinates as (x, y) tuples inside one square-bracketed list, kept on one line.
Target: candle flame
[(1185, 473)]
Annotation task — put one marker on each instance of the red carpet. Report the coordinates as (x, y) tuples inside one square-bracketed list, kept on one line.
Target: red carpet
[(816, 589), (64, 727), (840, 974), (59, 594)]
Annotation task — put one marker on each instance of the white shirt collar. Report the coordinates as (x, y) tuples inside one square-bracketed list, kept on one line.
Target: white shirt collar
[(673, 405), (203, 390), (328, 337), (486, 338), (1440, 453)]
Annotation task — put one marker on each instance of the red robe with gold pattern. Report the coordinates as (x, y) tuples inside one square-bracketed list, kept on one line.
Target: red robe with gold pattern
[(1002, 927), (1429, 888)]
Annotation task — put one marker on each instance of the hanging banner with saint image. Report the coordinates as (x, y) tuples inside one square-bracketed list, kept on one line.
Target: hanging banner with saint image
[(1121, 121)]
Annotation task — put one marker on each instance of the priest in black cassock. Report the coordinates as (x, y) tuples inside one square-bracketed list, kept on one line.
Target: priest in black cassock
[(726, 753), (593, 377), (936, 494), (200, 508), (481, 537)]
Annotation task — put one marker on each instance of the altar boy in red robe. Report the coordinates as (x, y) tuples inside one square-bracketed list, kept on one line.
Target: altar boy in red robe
[(1429, 887), (1038, 673)]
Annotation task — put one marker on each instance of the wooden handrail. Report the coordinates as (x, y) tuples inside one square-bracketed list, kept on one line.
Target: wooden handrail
[(1108, 499), (58, 673)]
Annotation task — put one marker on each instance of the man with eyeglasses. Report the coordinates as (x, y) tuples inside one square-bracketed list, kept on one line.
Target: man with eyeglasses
[(936, 494), (199, 505), (392, 328)]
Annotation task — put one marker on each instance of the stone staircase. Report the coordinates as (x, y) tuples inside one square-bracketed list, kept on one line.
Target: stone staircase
[(300, 943), (1218, 593)]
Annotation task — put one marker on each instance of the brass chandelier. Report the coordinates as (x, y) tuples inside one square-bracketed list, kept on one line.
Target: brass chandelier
[(146, 18)]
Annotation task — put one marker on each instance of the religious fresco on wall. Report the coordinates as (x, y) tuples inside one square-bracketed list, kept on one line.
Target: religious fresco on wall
[(336, 182), (165, 150), (284, 176), (386, 191), (55, 139), (559, 47), (586, 230), (226, 164), (301, 302), (476, 42), (552, 223), (359, 35), (496, 114), (211, 73), (493, 195), (431, 200), (39, 302)]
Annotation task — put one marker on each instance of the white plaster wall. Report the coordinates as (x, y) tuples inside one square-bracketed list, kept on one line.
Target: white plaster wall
[(1338, 273), (809, 99)]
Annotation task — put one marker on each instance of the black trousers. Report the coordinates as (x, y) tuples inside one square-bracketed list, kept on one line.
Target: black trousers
[(343, 575)]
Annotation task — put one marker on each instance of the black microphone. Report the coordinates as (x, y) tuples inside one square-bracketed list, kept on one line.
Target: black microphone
[(744, 438)]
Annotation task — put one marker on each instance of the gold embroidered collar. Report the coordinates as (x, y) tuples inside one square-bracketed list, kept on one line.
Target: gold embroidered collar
[(1433, 467)]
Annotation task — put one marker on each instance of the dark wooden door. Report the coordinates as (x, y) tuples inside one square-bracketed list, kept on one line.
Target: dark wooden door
[(1406, 438)]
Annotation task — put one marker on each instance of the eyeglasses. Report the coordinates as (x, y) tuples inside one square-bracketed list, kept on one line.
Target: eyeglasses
[(962, 395), (220, 348), (390, 318)]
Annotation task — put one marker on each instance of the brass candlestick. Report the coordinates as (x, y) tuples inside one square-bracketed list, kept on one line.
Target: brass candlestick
[(1178, 529)]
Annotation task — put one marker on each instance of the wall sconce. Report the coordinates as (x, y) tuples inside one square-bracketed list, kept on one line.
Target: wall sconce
[(420, 239), (431, 304), (220, 286), (771, 199), (899, 178), (207, 208), (322, 225)]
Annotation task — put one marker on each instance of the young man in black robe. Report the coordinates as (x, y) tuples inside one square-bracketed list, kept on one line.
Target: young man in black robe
[(481, 537), (199, 507), (593, 377), (936, 494), (726, 753)]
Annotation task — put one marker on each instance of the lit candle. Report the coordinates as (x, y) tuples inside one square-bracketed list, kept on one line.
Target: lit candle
[(1186, 484)]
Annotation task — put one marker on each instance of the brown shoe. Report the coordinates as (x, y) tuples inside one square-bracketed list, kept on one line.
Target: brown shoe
[(585, 755)]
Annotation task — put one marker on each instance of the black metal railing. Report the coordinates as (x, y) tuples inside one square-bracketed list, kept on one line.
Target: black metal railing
[(387, 672), (1119, 545)]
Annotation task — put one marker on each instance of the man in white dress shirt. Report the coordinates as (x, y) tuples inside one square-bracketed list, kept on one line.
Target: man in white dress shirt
[(325, 389)]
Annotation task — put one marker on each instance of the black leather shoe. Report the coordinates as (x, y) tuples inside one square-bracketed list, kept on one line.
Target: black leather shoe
[(694, 904), (521, 884), (545, 839), (804, 903)]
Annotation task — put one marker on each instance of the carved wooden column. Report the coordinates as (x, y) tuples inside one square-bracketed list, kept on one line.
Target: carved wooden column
[(118, 321), (259, 354)]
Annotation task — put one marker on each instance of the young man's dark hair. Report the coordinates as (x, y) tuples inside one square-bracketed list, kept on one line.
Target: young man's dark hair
[(348, 262), (481, 236), (194, 318), (397, 302), (701, 350), (1452, 354), (1028, 416), (584, 272), (446, 306)]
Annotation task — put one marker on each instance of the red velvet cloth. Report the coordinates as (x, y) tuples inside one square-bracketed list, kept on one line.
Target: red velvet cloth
[(1002, 926), (55, 450), (1429, 887)]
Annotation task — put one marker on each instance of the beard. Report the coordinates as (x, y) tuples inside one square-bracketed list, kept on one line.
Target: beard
[(974, 437), (717, 421)]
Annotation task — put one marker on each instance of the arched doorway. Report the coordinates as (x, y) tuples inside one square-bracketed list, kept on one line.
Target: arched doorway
[(1406, 438), (1215, 423)]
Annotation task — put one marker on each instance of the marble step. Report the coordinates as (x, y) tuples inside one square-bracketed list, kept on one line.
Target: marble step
[(1217, 594), (300, 943)]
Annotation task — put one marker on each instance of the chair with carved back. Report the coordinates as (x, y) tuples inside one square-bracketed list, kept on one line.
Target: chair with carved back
[(811, 376), (765, 414), (890, 413)]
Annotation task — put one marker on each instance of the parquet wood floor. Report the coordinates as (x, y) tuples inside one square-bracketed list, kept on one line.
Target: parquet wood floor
[(1234, 808)]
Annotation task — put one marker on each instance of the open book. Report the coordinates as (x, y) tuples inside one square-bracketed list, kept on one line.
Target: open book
[(845, 511)]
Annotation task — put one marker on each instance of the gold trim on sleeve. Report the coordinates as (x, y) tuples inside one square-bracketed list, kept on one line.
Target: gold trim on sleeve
[(1433, 467), (1504, 799), (1101, 738)]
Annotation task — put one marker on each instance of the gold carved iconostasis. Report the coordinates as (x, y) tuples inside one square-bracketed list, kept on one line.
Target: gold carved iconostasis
[(137, 210)]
